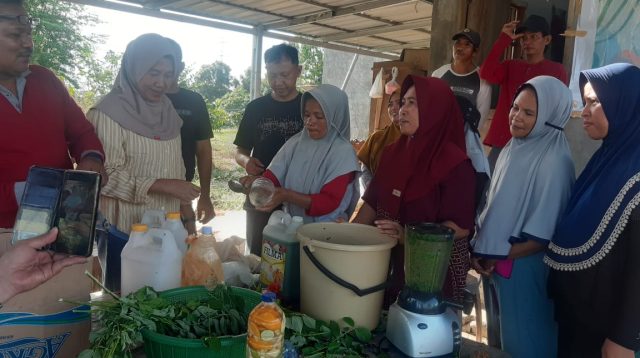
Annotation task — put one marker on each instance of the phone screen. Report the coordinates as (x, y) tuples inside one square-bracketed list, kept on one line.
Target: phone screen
[(76, 213), (37, 206)]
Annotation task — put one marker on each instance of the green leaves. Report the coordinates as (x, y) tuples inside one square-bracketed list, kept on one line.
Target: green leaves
[(315, 338), (218, 314)]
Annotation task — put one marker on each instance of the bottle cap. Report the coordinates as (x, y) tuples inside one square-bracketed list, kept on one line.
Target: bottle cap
[(139, 228), (174, 215), (268, 296), (206, 230)]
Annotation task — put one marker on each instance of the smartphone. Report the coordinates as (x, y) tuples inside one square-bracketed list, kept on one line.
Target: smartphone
[(76, 212), (36, 214)]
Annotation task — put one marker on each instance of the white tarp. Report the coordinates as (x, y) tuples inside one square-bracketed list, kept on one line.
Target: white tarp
[(612, 36)]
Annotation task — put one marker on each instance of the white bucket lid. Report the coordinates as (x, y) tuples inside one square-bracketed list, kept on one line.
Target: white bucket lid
[(344, 237)]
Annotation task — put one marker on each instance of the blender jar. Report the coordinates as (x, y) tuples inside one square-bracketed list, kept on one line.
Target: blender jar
[(427, 249)]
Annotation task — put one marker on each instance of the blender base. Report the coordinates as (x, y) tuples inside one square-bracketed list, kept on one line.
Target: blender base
[(420, 335)]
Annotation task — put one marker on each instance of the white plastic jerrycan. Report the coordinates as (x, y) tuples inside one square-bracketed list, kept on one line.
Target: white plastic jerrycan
[(151, 259), (174, 224), (153, 218)]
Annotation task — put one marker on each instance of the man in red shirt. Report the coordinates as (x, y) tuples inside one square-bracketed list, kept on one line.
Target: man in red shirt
[(534, 36), (41, 124)]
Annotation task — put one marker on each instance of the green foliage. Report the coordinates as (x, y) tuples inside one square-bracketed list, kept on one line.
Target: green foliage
[(98, 80), (59, 43), (122, 320), (315, 338), (233, 104), (218, 117), (212, 81), (311, 58)]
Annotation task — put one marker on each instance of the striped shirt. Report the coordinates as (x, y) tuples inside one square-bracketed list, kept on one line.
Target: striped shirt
[(133, 164)]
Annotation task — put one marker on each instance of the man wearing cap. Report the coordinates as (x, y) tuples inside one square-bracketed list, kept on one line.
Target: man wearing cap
[(534, 36), (474, 97)]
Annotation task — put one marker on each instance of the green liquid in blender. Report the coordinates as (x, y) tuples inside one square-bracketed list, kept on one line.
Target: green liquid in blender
[(427, 253)]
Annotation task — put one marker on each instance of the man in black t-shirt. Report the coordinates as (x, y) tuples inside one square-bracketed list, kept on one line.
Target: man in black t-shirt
[(196, 137), (268, 122)]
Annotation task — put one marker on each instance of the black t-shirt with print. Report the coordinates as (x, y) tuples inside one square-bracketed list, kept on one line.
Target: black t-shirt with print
[(195, 125), (267, 124)]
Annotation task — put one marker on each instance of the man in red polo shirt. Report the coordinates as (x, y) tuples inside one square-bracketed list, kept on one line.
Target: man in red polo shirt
[(41, 124), (534, 36)]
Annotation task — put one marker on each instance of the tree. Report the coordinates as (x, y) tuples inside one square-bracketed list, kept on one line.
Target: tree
[(59, 43), (98, 80), (311, 58), (234, 103), (213, 81)]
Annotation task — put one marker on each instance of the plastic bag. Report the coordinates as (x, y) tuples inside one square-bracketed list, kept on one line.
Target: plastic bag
[(392, 85), (238, 274), (376, 89), (231, 249), (201, 264)]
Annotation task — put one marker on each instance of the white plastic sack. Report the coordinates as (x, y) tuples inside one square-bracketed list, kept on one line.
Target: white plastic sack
[(376, 89)]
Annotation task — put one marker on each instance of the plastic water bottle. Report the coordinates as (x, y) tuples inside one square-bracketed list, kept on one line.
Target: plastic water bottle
[(265, 337), (261, 192), (174, 224)]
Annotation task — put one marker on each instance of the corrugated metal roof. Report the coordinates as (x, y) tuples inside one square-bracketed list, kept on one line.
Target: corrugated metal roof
[(373, 27)]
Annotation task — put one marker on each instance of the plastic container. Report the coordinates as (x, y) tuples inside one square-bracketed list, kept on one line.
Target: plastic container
[(158, 345), (280, 266), (261, 192), (151, 259), (343, 271), (265, 337), (110, 242), (174, 224), (201, 264), (427, 252), (153, 218)]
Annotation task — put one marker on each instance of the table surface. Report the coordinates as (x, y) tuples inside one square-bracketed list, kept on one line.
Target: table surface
[(469, 349)]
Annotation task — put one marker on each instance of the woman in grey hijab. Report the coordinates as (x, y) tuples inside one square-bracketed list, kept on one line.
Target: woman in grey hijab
[(140, 131), (315, 171), (529, 190)]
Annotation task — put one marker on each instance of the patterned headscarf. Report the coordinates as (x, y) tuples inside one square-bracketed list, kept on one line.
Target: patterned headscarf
[(608, 189)]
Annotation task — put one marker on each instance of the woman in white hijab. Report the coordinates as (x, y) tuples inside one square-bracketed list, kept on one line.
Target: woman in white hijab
[(140, 131), (315, 171), (529, 190)]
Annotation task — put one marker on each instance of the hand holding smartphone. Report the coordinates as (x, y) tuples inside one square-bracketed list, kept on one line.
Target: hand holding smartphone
[(67, 199)]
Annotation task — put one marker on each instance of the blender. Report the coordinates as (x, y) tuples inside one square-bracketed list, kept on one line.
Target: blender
[(420, 322)]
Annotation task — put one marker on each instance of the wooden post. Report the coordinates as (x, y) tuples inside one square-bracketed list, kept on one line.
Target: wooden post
[(484, 16)]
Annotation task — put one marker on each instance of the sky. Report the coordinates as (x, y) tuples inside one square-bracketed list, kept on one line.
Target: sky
[(200, 44)]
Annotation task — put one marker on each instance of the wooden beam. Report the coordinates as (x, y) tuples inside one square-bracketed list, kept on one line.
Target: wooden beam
[(223, 24), (378, 30), (342, 11), (248, 8)]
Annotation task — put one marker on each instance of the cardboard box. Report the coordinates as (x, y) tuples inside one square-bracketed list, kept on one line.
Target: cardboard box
[(416, 58), (36, 324), (378, 116)]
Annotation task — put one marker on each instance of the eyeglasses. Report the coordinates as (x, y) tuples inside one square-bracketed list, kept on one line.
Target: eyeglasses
[(22, 19)]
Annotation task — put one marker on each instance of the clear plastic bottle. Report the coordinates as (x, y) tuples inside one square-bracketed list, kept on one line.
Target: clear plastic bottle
[(261, 192), (201, 264), (265, 338), (174, 224)]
